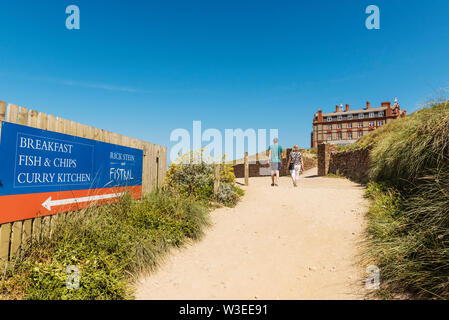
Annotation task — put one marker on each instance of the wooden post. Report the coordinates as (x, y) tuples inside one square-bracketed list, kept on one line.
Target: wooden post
[(217, 178), (5, 236), (246, 169)]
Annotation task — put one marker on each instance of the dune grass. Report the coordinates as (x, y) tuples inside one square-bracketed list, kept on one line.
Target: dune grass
[(408, 221)]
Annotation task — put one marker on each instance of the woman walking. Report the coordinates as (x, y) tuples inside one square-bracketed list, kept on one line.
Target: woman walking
[(295, 164)]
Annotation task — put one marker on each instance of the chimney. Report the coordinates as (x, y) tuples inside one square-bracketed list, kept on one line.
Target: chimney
[(347, 107), (337, 108), (386, 104), (368, 105), (320, 115)]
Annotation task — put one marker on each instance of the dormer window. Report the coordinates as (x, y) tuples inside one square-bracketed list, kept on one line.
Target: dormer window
[(329, 119), (340, 118), (371, 114), (349, 116), (361, 115), (381, 113)]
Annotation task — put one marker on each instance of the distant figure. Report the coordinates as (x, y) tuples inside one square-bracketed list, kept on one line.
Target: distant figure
[(274, 160), (295, 164)]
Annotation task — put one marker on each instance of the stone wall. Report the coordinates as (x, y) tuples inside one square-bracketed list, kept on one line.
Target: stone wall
[(262, 169), (324, 154), (353, 164)]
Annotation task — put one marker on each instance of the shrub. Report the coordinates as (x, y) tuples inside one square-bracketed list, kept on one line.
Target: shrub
[(229, 194), (191, 176)]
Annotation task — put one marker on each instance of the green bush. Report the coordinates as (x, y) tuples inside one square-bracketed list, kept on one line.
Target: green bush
[(109, 245), (191, 176)]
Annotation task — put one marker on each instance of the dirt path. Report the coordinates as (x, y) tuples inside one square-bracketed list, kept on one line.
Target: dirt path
[(278, 243)]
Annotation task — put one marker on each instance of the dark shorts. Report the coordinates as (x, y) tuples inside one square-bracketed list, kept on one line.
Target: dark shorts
[(275, 166)]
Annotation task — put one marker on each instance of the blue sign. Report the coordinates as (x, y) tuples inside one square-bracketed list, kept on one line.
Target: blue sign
[(38, 161)]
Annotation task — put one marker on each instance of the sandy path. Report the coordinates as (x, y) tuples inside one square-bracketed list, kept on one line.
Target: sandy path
[(278, 243)]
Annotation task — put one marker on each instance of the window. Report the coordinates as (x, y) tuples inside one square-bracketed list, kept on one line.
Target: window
[(361, 116), (350, 135), (380, 113), (340, 136), (329, 127), (340, 118), (371, 114), (329, 119), (380, 123), (339, 126), (360, 124), (329, 136), (371, 124), (349, 116), (350, 125), (360, 134)]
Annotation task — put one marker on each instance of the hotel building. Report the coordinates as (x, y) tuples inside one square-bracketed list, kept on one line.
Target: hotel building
[(346, 126)]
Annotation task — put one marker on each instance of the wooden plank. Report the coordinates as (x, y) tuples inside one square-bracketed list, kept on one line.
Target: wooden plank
[(113, 138), (66, 124), (52, 123), (36, 226), (144, 169), (27, 232), (42, 121), (16, 239), (32, 118), (2, 111), (85, 131), (126, 141), (119, 139), (5, 236), (59, 125), (246, 168), (79, 130), (216, 178), (73, 127), (108, 136), (45, 227), (23, 116), (2, 114), (12, 113), (91, 132), (97, 136)]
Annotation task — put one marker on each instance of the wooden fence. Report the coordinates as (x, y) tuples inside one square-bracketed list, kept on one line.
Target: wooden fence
[(13, 235)]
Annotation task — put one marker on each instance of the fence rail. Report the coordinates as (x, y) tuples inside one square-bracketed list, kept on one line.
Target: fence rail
[(13, 235)]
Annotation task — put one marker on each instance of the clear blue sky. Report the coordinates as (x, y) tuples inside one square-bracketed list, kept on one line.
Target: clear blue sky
[(144, 68)]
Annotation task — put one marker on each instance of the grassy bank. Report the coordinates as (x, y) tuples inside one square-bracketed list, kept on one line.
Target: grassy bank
[(109, 245), (408, 221), (112, 245)]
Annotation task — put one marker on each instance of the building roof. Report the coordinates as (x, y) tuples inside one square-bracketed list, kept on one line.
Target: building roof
[(357, 111)]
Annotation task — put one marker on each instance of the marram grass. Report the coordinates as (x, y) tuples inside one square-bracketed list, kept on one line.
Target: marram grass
[(408, 221)]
